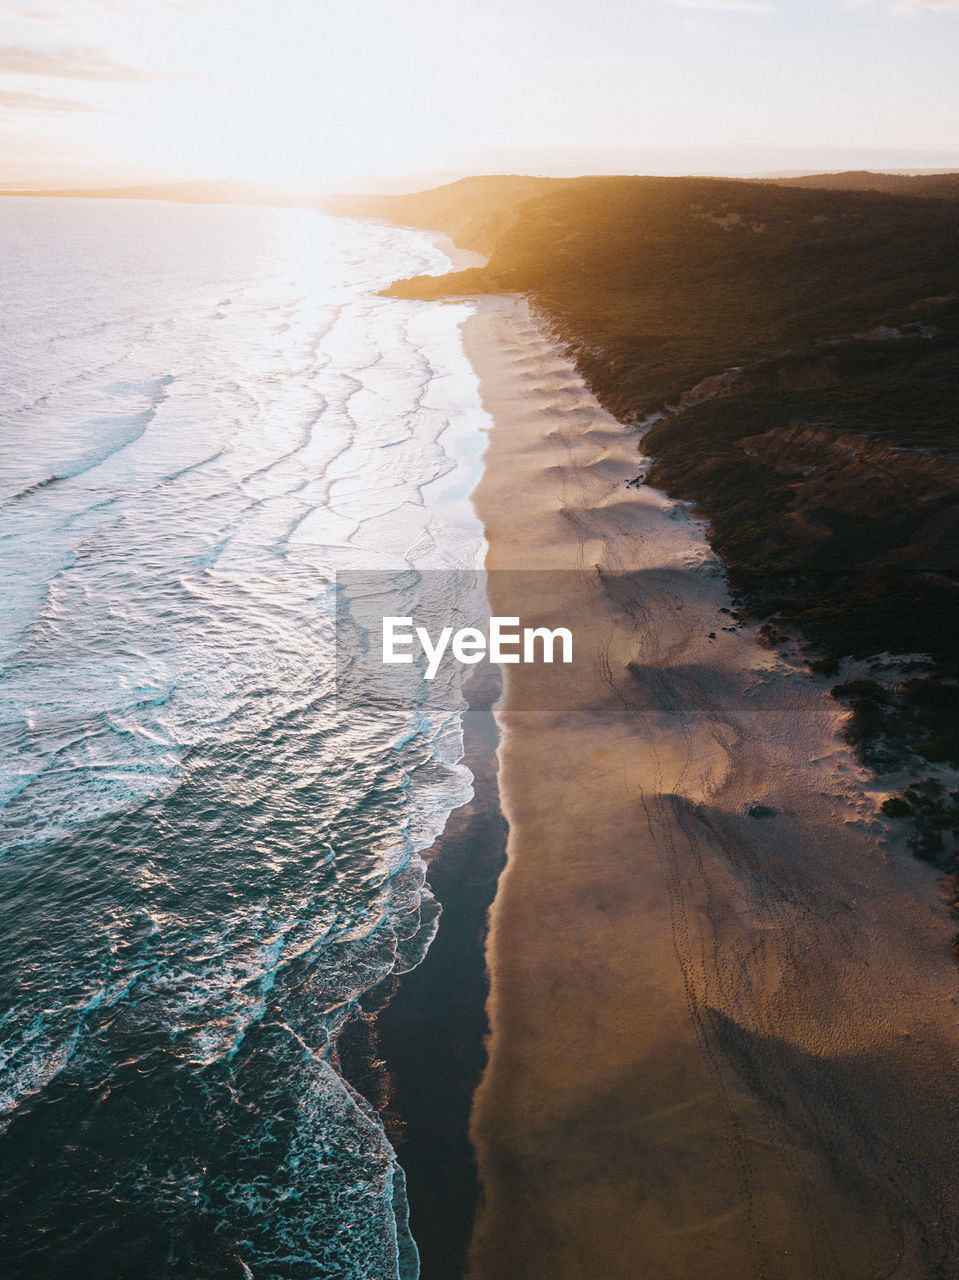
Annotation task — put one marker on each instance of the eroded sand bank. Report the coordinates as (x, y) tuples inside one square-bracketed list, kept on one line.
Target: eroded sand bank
[(721, 1046)]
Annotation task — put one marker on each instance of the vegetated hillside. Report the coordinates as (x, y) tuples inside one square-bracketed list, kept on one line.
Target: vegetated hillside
[(657, 283), (942, 186), (473, 212), (807, 342)]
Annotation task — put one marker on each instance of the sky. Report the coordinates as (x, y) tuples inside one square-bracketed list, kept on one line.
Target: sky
[(317, 94)]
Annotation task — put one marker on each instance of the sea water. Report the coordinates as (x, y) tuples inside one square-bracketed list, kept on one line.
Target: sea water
[(206, 413)]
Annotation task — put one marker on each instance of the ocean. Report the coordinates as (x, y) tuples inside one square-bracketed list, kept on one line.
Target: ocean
[(208, 857)]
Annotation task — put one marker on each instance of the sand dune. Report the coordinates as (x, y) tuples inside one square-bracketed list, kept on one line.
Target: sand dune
[(722, 1046)]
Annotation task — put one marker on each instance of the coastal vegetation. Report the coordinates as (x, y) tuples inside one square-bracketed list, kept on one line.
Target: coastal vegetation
[(934, 185)]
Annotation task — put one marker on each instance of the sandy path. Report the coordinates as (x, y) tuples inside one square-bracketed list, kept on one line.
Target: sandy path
[(721, 1046)]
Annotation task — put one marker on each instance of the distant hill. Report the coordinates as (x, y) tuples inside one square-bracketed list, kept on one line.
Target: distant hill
[(943, 186), (474, 212), (219, 192)]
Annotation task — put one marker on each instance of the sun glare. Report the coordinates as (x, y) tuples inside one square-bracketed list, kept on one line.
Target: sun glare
[(312, 94)]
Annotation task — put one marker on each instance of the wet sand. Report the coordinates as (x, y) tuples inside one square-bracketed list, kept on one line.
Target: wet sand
[(416, 1052), (721, 1046)]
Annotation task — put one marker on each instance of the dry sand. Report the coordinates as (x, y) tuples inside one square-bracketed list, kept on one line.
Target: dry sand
[(721, 1046)]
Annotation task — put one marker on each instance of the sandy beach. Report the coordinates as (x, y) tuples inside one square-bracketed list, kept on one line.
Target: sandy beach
[(721, 1045)]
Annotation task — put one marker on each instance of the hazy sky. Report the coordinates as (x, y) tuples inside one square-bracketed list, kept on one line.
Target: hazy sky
[(320, 92)]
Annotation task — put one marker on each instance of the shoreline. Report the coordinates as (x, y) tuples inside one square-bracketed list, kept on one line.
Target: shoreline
[(460, 259), (417, 1047), (417, 1050), (713, 1037)]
